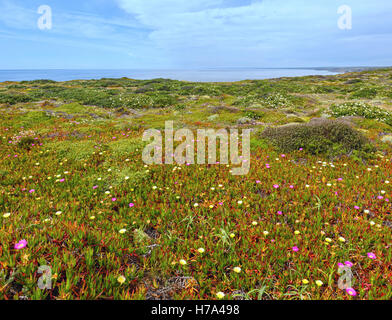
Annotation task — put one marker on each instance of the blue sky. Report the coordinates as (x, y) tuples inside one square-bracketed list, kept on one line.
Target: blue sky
[(163, 34)]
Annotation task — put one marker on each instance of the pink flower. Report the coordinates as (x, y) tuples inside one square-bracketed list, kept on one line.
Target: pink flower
[(295, 249), (131, 205), (276, 186), (114, 199), (20, 245), (340, 265), (340, 179), (62, 180), (371, 255), (380, 197), (280, 213), (300, 149), (291, 187), (351, 292), (32, 190), (95, 187), (258, 181), (356, 207), (283, 155), (348, 264)]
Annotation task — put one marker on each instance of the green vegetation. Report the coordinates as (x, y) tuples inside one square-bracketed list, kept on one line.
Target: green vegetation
[(74, 187)]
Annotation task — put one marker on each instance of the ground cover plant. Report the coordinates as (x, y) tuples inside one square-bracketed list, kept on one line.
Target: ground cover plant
[(76, 196)]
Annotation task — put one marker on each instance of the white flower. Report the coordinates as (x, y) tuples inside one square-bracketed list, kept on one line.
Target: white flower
[(237, 269), (183, 262), (122, 231), (220, 295), (201, 250)]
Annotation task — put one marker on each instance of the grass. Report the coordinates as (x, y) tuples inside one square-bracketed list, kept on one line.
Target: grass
[(77, 191)]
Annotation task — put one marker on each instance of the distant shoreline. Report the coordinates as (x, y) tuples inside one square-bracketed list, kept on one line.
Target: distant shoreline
[(191, 75)]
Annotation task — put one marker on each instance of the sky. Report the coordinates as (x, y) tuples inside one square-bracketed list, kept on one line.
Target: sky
[(192, 34)]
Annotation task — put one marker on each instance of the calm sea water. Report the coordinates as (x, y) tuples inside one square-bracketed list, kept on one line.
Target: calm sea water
[(207, 75)]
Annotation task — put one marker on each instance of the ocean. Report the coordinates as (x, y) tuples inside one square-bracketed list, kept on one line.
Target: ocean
[(202, 75)]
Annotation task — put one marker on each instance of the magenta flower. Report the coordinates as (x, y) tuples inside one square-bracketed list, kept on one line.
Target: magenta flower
[(340, 265), (62, 180), (258, 181), (131, 205), (291, 187), (351, 292), (348, 264), (32, 190), (356, 207), (295, 249), (380, 197), (300, 149), (280, 213), (20, 245), (276, 186), (114, 199), (95, 187), (371, 255)]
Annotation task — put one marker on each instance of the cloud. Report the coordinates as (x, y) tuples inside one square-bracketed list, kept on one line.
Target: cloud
[(249, 33)]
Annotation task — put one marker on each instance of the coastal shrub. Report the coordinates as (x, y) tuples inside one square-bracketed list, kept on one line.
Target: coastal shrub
[(270, 101), (321, 137), (13, 98), (368, 93), (361, 109)]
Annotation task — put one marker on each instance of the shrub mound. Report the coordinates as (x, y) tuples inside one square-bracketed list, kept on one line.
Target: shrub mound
[(320, 137), (362, 110)]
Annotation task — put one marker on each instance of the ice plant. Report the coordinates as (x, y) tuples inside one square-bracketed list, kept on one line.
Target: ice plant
[(351, 292), (319, 283), (371, 255), (183, 262), (20, 245), (237, 269), (121, 279), (295, 249)]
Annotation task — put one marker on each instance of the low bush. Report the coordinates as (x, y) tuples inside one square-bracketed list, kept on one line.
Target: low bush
[(362, 110), (320, 137)]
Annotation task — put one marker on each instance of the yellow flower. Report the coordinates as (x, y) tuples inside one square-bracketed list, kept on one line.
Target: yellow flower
[(6, 215), (183, 262), (305, 281), (319, 283), (121, 279), (220, 295), (296, 232), (254, 223), (232, 235), (266, 233), (122, 231), (237, 269), (341, 239), (92, 217), (328, 239), (58, 213), (201, 250)]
